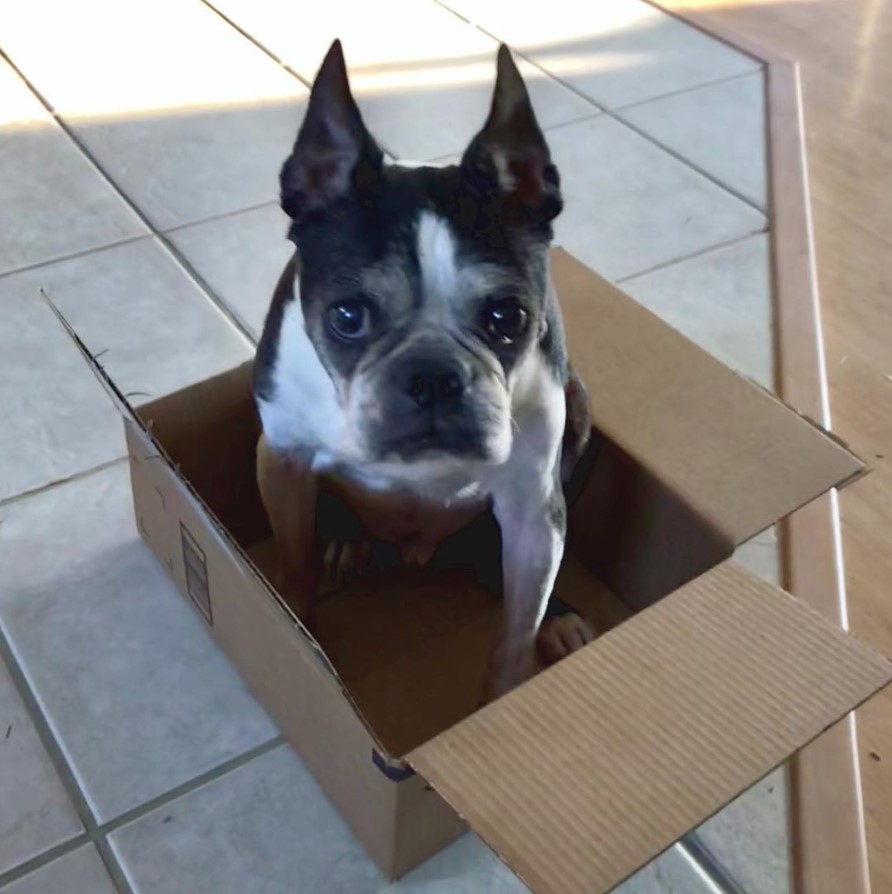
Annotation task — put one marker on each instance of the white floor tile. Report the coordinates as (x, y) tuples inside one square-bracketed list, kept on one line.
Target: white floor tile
[(159, 332), (267, 828), (671, 873), (35, 812), (136, 691), (761, 555), (54, 203), (80, 872), (422, 76), (64, 422), (630, 206), (187, 116), (614, 51), (722, 301), (750, 837), (719, 128), (241, 258)]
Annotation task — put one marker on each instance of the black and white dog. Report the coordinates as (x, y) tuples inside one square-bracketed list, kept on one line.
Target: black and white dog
[(413, 357)]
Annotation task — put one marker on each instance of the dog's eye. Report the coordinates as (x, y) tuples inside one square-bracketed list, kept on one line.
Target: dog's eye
[(350, 320), (505, 320)]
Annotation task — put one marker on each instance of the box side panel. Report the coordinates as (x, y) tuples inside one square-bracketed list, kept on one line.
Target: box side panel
[(277, 662), (589, 770), (209, 431), (425, 824), (730, 450), (636, 534)]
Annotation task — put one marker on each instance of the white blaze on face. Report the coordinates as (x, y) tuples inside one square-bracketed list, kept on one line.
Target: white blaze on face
[(437, 258), (449, 283)]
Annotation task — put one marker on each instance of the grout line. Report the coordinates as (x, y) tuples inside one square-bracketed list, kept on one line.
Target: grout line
[(75, 254), (185, 788), (454, 12), (594, 116), (257, 43), (43, 859), (113, 866), (687, 162), (94, 832), (57, 482), (692, 256), (273, 203), (50, 744), (277, 59), (682, 90)]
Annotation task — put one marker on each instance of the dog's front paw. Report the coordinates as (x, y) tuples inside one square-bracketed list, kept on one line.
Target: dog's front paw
[(559, 636)]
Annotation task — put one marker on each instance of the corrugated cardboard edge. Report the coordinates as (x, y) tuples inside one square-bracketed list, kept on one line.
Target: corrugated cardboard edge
[(578, 778)]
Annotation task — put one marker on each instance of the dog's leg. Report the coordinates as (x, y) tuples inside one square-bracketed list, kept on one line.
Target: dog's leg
[(289, 490), (533, 529)]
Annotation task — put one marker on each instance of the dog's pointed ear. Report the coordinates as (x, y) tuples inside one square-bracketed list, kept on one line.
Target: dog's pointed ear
[(334, 152), (511, 151)]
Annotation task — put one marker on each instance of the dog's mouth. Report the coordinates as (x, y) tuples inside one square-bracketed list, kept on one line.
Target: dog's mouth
[(436, 440)]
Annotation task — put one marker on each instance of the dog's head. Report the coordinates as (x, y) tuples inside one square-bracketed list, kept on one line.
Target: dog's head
[(423, 289)]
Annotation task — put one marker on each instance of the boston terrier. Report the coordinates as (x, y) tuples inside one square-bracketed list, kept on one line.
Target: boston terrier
[(413, 361)]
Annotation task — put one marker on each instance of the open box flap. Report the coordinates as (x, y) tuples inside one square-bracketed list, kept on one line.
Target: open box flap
[(582, 775), (734, 452)]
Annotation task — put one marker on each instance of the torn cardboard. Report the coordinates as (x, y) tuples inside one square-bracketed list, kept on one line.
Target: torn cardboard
[(705, 678)]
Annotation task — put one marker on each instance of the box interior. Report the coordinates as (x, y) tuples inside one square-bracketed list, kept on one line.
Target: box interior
[(410, 645)]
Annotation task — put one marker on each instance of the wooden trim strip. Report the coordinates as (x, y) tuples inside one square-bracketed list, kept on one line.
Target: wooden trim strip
[(828, 837), (829, 840)]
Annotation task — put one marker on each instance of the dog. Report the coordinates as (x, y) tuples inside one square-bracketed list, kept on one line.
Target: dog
[(413, 361)]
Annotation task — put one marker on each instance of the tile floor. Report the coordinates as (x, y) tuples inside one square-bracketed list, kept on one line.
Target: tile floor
[(140, 145)]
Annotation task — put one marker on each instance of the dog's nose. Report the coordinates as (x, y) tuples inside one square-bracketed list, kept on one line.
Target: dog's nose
[(428, 385)]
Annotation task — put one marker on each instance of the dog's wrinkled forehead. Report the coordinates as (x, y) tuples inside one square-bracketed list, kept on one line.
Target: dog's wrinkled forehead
[(453, 270), (412, 251)]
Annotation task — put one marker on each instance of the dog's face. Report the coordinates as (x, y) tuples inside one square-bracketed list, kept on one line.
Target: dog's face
[(423, 289)]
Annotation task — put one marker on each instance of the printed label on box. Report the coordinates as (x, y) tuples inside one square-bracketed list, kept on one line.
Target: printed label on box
[(196, 574)]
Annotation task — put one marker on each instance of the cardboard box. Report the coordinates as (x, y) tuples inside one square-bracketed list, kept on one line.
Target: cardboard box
[(705, 677)]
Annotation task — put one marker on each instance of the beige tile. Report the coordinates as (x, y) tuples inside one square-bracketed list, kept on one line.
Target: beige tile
[(614, 51), (423, 77), (722, 301), (138, 694), (35, 813), (187, 116), (720, 129), (80, 872), (241, 258), (630, 206), (54, 202)]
